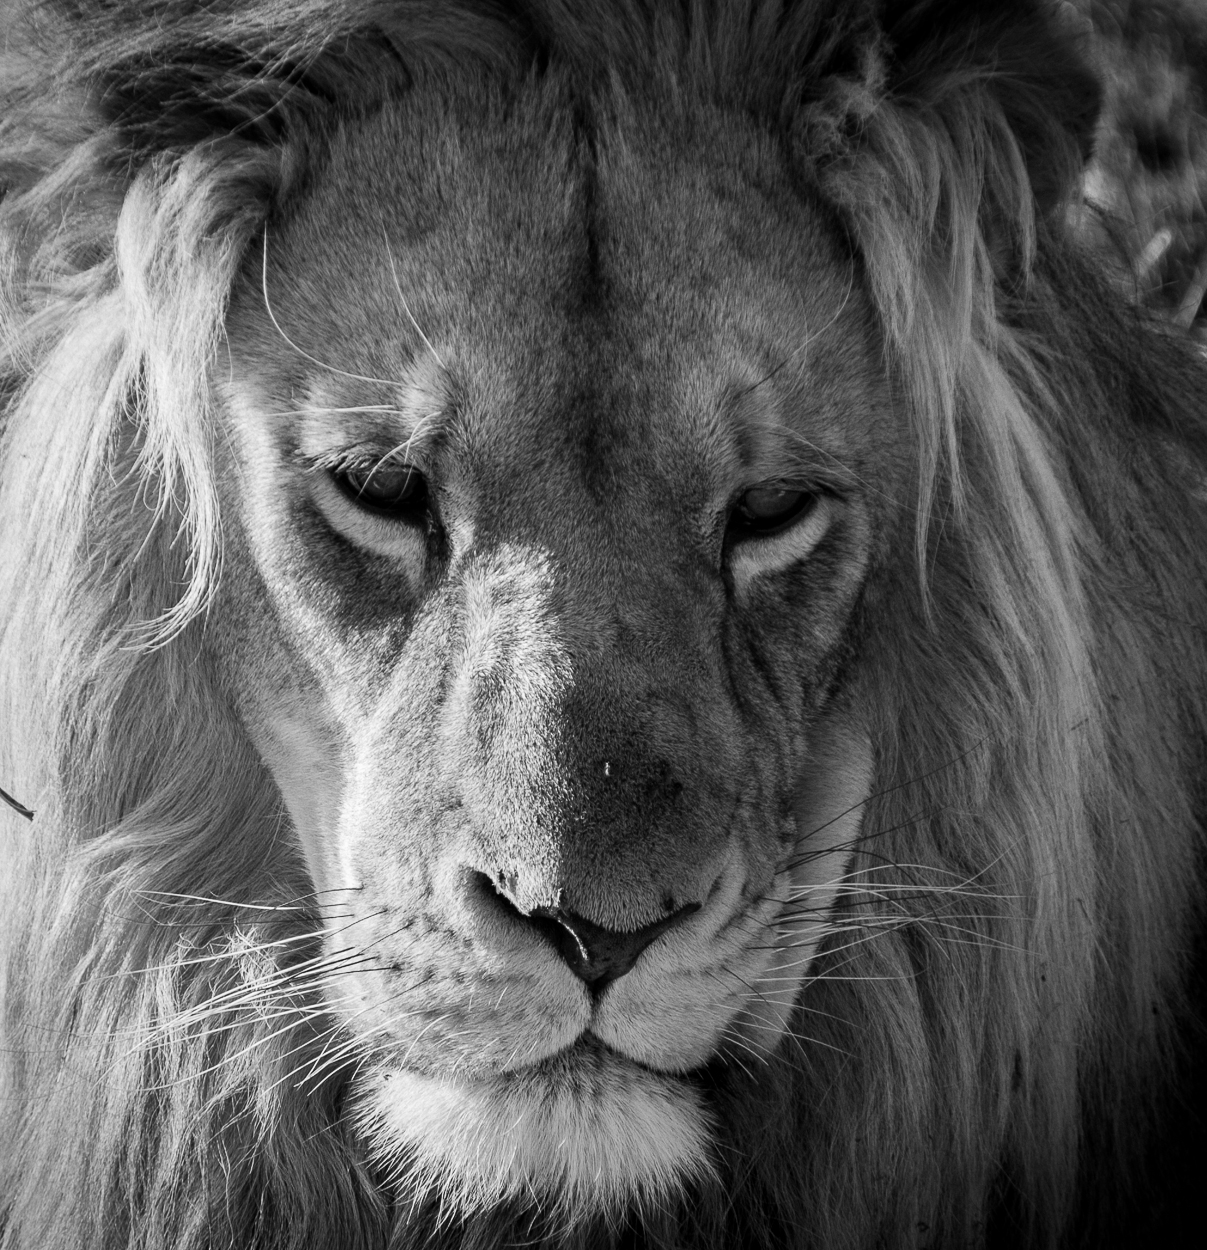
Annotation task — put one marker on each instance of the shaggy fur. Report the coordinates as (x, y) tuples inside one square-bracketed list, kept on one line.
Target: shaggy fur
[(998, 1009)]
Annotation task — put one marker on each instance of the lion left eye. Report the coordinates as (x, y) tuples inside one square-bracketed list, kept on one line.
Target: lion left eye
[(390, 487), (765, 510)]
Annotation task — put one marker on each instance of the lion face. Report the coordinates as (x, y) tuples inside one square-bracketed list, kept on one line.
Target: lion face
[(552, 494)]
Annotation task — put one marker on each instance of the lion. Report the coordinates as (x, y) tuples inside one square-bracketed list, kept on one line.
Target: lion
[(603, 633)]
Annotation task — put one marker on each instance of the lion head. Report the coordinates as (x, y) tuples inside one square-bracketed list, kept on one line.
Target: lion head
[(539, 676), (602, 618)]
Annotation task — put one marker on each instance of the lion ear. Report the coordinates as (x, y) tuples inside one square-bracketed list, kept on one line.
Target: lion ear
[(1025, 54)]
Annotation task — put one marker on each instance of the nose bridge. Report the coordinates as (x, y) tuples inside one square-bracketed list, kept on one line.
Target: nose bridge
[(500, 726), (513, 654), (543, 632), (578, 762)]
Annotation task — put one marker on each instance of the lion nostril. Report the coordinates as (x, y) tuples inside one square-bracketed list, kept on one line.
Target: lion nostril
[(593, 953), (501, 889)]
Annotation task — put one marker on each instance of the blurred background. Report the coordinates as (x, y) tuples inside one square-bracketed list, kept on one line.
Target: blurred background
[(1146, 189)]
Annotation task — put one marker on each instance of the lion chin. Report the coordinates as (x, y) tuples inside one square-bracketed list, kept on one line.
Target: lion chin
[(586, 1132)]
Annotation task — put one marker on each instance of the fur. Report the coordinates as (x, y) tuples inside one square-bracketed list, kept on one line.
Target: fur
[(1003, 982)]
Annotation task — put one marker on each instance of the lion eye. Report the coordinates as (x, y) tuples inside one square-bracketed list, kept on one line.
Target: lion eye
[(765, 510), (387, 486)]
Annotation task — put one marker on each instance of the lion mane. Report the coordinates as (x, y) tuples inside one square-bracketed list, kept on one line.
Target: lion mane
[(994, 1025)]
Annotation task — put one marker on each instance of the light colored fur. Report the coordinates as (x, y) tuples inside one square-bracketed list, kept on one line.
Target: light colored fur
[(576, 1142)]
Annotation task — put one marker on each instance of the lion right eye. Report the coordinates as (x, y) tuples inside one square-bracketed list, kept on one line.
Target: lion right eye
[(388, 488), (766, 510)]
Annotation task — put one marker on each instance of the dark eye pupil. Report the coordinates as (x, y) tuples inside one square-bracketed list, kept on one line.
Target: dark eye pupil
[(385, 486)]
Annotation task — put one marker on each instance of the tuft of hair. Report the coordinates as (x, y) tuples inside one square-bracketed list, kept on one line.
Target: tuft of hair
[(172, 1075)]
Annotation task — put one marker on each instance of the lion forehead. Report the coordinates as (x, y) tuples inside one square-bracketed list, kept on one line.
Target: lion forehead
[(572, 325)]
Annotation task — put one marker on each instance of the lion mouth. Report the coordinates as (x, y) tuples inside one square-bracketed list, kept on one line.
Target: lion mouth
[(589, 1053)]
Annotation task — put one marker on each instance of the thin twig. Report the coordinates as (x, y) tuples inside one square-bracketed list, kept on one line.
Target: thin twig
[(19, 808)]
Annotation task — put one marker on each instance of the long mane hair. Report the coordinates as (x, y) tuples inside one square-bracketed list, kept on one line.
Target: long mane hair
[(999, 995)]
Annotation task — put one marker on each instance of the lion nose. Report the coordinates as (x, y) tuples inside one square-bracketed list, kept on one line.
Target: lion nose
[(594, 954)]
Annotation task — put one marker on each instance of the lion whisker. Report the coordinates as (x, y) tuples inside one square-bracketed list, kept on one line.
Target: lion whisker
[(223, 956), (403, 300)]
